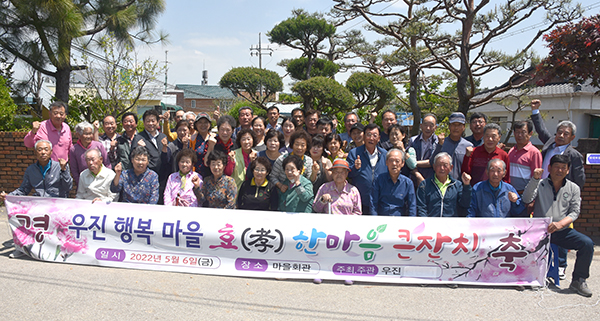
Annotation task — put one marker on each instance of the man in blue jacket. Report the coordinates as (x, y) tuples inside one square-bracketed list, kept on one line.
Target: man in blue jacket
[(442, 195), (493, 197), (393, 194), (366, 163)]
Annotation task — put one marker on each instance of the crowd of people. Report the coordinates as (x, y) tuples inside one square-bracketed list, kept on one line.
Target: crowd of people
[(300, 164)]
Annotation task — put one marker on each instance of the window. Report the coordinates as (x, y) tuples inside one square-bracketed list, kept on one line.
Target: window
[(193, 104)]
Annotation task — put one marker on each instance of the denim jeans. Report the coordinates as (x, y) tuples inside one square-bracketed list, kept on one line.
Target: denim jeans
[(570, 239), (562, 256)]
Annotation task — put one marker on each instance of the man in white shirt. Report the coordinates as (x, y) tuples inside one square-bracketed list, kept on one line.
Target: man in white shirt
[(94, 182)]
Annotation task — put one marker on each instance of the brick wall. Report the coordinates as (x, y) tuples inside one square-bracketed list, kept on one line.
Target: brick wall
[(15, 157), (589, 218), (14, 160)]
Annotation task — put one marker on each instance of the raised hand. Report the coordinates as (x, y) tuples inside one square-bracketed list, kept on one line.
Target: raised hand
[(186, 140), (535, 104), (113, 144), (357, 162), (315, 167), (63, 164), (35, 126), (232, 156), (196, 181), (466, 178), (253, 155), (513, 197), (118, 169), (96, 125), (141, 142), (537, 173), (442, 137), (165, 144), (166, 115), (2, 196), (469, 151), (217, 113)]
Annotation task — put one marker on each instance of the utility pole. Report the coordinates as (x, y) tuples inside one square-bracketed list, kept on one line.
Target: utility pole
[(166, 69), (258, 51)]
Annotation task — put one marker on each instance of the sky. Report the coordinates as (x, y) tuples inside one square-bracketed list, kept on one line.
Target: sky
[(217, 35)]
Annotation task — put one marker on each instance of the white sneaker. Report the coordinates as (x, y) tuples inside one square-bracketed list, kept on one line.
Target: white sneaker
[(561, 272)]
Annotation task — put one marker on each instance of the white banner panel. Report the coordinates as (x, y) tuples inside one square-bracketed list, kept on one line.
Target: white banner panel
[(482, 251)]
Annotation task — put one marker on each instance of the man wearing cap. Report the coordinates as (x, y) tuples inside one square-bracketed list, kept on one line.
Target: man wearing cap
[(338, 196), (455, 145), (366, 163), (393, 194), (425, 144), (356, 136)]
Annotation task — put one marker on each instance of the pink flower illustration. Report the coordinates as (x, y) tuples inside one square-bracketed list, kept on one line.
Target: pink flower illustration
[(23, 236)]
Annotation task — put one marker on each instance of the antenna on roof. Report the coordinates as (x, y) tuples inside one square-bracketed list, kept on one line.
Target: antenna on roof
[(204, 74)]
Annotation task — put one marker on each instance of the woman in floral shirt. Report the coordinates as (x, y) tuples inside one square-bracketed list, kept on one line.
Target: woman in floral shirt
[(218, 190), (138, 184)]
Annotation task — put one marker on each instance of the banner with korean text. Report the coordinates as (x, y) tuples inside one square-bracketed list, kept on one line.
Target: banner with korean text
[(280, 245)]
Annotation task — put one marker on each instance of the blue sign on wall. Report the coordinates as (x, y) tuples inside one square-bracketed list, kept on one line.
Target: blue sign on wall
[(593, 159)]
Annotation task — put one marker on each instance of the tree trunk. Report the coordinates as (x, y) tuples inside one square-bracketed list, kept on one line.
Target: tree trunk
[(463, 74), (62, 84), (413, 95)]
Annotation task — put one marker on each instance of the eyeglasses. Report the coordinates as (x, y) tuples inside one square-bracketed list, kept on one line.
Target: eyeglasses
[(260, 171)]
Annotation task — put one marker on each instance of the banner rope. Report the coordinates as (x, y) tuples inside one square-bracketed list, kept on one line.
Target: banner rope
[(542, 290)]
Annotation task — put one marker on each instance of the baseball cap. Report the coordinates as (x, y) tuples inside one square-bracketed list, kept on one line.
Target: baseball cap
[(457, 118), (340, 163)]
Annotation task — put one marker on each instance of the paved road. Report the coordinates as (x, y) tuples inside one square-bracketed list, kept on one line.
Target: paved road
[(53, 291)]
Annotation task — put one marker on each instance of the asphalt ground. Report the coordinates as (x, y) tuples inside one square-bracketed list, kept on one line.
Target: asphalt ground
[(35, 290)]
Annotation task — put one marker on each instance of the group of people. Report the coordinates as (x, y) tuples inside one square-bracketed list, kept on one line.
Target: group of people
[(300, 164)]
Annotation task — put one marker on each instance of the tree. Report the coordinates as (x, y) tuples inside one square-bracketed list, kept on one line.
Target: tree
[(253, 84), (115, 83), (325, 95), (574, 52), (8, 108), (297, 68), (371, 89), (42, 33), (304, 32), (465, 53)]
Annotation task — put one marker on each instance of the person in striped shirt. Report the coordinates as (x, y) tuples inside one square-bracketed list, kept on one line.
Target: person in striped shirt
[(524, 158)]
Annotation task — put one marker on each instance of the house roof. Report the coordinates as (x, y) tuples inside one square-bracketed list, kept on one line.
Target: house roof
[(205, 92), (554, 89)]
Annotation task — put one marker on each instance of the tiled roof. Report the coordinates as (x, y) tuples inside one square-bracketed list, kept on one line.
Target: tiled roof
[(205, 92), (547, 90)]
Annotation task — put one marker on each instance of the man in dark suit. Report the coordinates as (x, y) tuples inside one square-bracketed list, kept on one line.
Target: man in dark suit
[(157, 145), (559, 144)]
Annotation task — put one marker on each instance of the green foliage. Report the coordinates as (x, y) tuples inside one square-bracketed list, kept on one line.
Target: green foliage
[(234, 111), (324, 94), (41, 33), (289, 98), (304, 32), (247, 81), (8, 109), (320, 68), (371, 89)]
